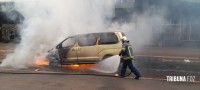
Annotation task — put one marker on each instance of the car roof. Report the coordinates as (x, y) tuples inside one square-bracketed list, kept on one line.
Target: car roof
[(99, 33)]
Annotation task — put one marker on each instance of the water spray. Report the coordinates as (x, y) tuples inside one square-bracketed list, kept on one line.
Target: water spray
[(108, 65)]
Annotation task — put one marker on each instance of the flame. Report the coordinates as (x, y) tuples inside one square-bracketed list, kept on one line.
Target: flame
[(41, 61), (80, 66)]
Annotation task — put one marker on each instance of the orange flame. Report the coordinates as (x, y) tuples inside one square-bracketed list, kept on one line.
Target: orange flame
[(80, 66), (41, 61)]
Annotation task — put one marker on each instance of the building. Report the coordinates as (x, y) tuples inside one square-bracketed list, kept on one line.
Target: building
[(8, 26)]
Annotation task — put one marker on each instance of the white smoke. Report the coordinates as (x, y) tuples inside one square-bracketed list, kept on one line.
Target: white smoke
[(47, 22), (143, 26), (193, 1)]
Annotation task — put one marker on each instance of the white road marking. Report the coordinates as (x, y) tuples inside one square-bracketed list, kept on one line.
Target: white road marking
[(168, 70), (196, 58), (186, 60)]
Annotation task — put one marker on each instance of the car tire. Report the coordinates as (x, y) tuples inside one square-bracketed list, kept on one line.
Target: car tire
[(53, 64)]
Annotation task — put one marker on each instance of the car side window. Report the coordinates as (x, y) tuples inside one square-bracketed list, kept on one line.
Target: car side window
[(108, 38), (87, 40), (69, 42)]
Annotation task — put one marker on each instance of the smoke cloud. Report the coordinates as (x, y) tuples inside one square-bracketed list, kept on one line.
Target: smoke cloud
[(141, 29), (194, 1), (47, 22)]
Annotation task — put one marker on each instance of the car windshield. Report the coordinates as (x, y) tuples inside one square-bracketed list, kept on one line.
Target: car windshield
[(69, 42)]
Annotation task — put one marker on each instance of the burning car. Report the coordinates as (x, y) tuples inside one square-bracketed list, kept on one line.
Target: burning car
[(86, 48)]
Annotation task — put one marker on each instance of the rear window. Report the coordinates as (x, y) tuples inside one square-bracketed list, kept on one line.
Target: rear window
[(87, 40), (108, 38)]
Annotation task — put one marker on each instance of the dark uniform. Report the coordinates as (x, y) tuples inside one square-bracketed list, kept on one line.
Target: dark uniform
[(127, 57)]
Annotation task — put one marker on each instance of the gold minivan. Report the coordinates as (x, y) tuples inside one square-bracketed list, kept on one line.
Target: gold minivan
[(86, 48)]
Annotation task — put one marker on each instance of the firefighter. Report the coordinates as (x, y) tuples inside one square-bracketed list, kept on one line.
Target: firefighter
[(127, 57)]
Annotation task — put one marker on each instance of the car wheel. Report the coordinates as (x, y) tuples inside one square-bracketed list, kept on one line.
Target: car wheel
[(53, 63)]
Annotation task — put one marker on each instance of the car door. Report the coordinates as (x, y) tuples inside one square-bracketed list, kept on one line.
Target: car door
[(87, 49), (68, 51)]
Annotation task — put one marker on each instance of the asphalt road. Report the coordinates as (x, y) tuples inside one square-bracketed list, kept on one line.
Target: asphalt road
[(80, 82), (154, 74)]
